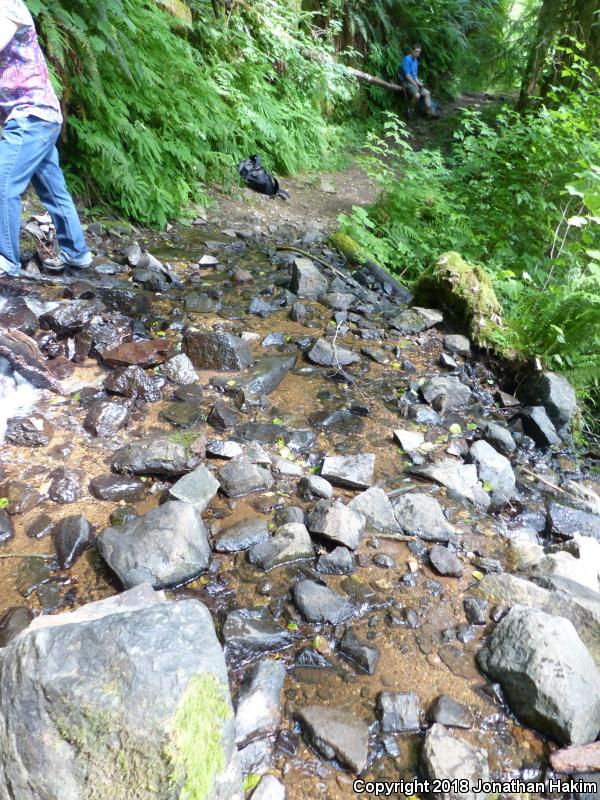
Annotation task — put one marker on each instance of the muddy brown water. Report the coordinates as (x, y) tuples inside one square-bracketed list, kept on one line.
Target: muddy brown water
[(422, 660)]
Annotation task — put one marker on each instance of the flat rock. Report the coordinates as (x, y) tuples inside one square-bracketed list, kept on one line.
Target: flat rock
[(160, 455), (409, 440), (460, 479), (446, 757), (167, 546), (308, 281), (337, 523), (547, 674), (353, 472), (445, 562), (446, 393), (259, 706), (240, 477), (419, 514), (197, 488), (105, 417), (416, 319), (399, 713), (336, 733), (327, 354), (183, 415), (117, 487), (494, 470), (377, 510), (12, 622), (71, 536), (318, 603), (241, 535), (290, 543), (217, 350), (226, 450), (248, 634), (144, 353)]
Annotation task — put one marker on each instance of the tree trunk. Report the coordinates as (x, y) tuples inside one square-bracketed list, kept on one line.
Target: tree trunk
[(548, 23)]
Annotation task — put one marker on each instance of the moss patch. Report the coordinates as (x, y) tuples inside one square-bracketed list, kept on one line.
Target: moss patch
[(354, 253), (466, 293), (196, 749)]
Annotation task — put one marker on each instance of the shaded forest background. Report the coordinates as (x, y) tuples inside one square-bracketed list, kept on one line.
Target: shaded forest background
[(164, 98)]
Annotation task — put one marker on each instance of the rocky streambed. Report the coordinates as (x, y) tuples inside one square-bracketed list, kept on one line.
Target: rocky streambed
[(268, 520)]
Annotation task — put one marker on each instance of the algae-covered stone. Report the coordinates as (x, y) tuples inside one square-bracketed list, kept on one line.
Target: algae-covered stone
[(465, 291)]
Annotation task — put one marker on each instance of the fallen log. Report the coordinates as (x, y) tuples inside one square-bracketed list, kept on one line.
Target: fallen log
[(577, 759), (351, 72)]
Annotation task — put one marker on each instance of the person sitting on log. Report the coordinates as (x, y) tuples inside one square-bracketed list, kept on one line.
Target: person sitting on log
[(418, 96), (31, 118)]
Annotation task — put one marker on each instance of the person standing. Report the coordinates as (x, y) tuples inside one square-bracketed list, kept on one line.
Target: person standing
[(31, 118), (414, 88)]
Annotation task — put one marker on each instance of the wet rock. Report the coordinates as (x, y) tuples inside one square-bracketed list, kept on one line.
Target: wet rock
[(376, 509), (409, 440), (31, 574), (256, 757), (447, 361), (415, 320), (224, 449), (161, 455), (421, 515), (546, 673), (318, 603), (495, 472), (7, 530), (182, 415), (269, 788), (249, 633), (259, 706), (134, 382), (399, 713), (459, 479), (338, 301), (567, 522), (446, 393), (537, 425), (448, 712), (40, 527), (12, 622), (241, 535), (311, 659), (31, 431), (424, 415), (313, 486), (105, 417), (582, 568), (338, 734), (65, 485), (109, 331), (71, 317), (217, 350), (337, 523), (241, 477), (554, 393), (287, 468), (445, 561), (307, 280), (48, 760), (476, 610), (327, 354), (353, 472), (167, 546), (300, 313), (222, 417), (266, 375), (71, 536), (499, 438), (20, 496), (384, 561), (26, 358), (179, 370), (17, 315), (290, 543), (446, 757), (116, 488), (291, 514), (458, 344), (361, 653), (202, 303), (339, 562), (144, 353), (197, 488)]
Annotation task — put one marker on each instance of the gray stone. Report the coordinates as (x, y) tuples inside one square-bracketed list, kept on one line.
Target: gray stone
[(416, 319), (116, 487), (241, 535), (377, 510), (287, 468), (337, 523), (446, 757), (499, 437), (409, 440), (538, 425), (445, 561), (568, 522), (308, 281), (318, 603), (327, 354), (12, 622), (241, 477), (269, 788), (338, 301), (552, 391), (363, 654), (314, 486), (248, 634), (198, 488), (180, 370), (291, 542), (161, 455), (421, 515), (446, 393), (450, 713), (58, 680), (456, 343), (460, 479), (105, 417), (266, 375), (546, 673), (352, 472), (217, 350), (583, 568), (71, 536), (134, 382), (226, 450), (336, 733), (399, 713), (167, 546), (339, 562), (494, 470), (259, 706)]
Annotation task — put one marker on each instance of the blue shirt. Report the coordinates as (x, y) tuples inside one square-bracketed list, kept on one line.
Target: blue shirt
[(410, 66)]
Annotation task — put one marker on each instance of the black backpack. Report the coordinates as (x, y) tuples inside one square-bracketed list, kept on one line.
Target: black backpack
[(258, 179)]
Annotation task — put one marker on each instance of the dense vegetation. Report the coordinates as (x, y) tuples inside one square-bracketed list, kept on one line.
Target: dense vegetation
[(163, 98)]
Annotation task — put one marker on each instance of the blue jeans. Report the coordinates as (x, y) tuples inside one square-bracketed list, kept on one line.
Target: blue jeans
[(28, 153)]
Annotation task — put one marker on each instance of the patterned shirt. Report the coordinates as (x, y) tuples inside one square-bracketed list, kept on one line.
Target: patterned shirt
[(25, 87)]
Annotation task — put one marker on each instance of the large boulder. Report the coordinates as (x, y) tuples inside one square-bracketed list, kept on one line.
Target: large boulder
[(161, 455), (465, 291), (552, 391), (419, 514), (547, 674), (166, 546), (125, 698)]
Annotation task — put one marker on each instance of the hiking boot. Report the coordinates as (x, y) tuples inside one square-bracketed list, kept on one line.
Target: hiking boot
[(59, 262)]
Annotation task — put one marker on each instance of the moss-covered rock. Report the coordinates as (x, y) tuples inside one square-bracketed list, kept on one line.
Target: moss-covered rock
[(466, 293), (355, 254)]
